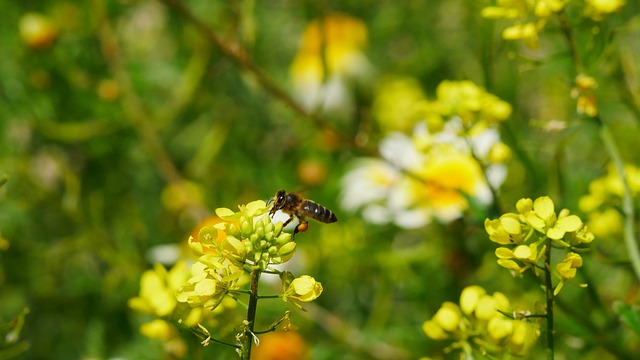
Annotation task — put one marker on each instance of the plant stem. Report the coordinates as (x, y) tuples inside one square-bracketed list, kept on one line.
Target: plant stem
[(251, 315), (549, 297), (628, 210)]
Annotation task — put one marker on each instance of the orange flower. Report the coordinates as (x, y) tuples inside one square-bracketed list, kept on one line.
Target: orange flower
[(281, 346)]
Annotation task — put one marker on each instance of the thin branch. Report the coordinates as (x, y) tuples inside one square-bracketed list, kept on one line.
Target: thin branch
[(236, 53), (134, 109), (549, 297)]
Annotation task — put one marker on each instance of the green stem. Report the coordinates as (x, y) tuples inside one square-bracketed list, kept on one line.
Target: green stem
[(549, 297), (251, 315), (628, 210)]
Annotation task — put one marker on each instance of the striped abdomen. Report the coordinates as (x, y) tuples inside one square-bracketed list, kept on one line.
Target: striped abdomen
[(318, 212)]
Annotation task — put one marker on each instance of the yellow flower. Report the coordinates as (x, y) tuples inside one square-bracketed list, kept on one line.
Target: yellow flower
[(209, 283), (157, 289), (330, 50), (605, 223), (567, 268), (448, 316), (505, 230), (37, 30), (598, 9), (480, 322), (433, 330), (396, 102), (523, 336), (304, 288), (469, 298), (157, 329), (499, 327)]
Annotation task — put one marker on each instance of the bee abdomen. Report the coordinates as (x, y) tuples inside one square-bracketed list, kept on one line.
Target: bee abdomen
[(319, 212)]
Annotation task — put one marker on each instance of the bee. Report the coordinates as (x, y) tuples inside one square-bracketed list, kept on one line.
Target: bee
[(294, 204)]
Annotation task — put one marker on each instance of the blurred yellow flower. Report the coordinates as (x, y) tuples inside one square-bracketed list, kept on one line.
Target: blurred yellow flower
[(448, 316), (598, 9), (37, 30), (479, 322), (157, 289), (330, 53), (529, 17), (157, 329), (397, 104)]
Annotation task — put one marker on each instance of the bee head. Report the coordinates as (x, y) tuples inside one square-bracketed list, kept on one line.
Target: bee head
[(279, 199)]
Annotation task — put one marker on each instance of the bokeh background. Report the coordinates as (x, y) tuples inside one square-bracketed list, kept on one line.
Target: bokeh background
[(124, 124)]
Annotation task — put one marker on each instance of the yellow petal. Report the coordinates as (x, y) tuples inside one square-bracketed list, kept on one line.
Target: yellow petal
[(205, 287), (522, 252), (448, 316), (569, 224), (469, 298), (511, 225), (543, 207)]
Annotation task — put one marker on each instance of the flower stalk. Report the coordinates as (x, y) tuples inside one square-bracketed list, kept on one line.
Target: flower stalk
[(549, 298), (251, 314)]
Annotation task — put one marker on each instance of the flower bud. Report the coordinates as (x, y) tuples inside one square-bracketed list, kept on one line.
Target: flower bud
[(287, 249)]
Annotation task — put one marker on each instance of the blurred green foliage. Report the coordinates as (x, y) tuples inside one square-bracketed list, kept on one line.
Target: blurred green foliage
[(122, 127)]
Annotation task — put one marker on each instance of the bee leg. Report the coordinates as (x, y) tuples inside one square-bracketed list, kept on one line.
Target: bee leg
[(288, 221), (301, 227)]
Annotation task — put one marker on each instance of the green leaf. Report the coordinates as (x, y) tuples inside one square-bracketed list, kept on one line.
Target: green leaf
[(630, 315)]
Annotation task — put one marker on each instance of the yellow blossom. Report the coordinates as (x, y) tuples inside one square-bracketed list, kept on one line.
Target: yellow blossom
[(567, 268), (448, 316), (157, 288), (396, 102), (499, 327), (433, 330), (304, 288), (469, 298), (157, 329), (605, 223), (598, 9)]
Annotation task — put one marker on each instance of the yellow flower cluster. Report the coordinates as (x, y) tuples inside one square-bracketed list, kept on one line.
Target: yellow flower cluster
[(529, 17), (157, 298), (480, 323), (599, 9), (452, 154), (584, 92), (526, 233), (244, 238), (604, 199), (400, 104)]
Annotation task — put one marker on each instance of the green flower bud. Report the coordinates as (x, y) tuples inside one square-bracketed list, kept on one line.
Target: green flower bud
[(254, 240), (268, 236), (269, 227), (273, 250), (247, 228), (287, 249), (277, 228), (232, 230), (283, 239), (259, 229), (263, 264)]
